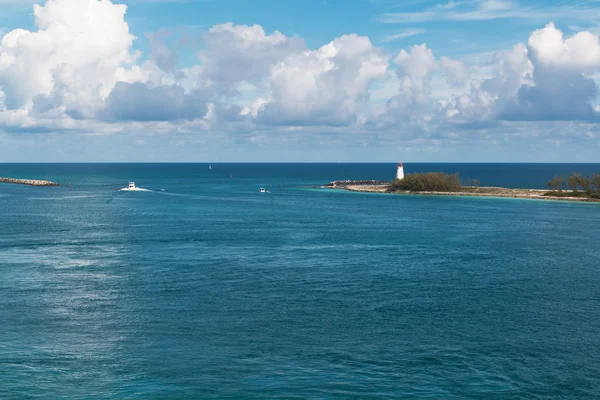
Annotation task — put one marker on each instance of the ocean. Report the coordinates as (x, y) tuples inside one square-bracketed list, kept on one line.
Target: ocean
[(202, 287)]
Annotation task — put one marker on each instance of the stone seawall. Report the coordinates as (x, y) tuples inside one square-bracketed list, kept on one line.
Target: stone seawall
[(30, 182), (346, 183)]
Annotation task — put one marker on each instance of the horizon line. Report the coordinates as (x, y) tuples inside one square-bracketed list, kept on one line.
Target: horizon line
[(296, 162)]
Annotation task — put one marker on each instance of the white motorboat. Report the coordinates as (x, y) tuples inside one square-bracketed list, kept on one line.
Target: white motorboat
[(132, 188), (262, 190)]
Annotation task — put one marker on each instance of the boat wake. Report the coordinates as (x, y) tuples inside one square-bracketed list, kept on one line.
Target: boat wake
[(137, 189), (133, 188)]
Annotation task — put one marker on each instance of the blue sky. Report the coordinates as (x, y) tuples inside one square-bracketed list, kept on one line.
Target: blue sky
[(316, 80)]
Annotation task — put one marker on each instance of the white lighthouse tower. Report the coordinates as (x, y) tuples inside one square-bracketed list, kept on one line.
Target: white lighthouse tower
[(400, 172)]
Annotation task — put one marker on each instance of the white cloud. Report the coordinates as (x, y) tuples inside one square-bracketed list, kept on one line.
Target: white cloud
[(403, 34), (326, 86), (165, 58), (560, 91), (456, 71), (73, 60), (79, 71), (544, 81), (413, 103), (487, 99), (579, 51), (484, 10), (139, 102), (417, 65), (236, 53)]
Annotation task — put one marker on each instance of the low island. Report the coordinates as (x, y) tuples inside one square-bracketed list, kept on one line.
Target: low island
[(574, 188), (30, 182)]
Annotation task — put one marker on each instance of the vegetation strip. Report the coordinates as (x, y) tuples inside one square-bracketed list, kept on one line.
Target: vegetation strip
[(575, 188)]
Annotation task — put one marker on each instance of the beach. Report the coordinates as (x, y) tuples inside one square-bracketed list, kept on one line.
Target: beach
[(483, 191)]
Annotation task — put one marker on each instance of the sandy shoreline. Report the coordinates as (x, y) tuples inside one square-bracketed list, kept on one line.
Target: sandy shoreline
[(364, 186)]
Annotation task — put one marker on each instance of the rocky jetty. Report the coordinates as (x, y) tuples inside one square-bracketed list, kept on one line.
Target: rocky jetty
[(346, 183), (30, 182)]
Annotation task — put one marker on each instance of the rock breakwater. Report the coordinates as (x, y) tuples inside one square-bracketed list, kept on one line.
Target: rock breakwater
[(346, 183), (30, 182)]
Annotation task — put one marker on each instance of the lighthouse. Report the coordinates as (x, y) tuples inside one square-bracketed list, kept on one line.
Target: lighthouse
[(400, 172)]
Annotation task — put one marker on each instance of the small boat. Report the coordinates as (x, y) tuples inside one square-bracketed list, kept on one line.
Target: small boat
[(262, 190), (210, 167), (132, 188)]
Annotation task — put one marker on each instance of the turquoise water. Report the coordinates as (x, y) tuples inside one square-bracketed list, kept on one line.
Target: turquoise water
[(205, 288)]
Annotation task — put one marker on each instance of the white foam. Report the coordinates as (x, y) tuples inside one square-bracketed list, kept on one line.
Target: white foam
[(136, 189)]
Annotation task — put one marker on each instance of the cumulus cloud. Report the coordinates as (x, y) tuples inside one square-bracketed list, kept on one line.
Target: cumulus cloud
[(139, 102), (456, 71), (413, 104), (236, 53), (165, 58), (414, 69), (578, 52), (327, 86), (545, 80), (557, 95), (486, 100), (79, 50), (560, 91), (79, 68)]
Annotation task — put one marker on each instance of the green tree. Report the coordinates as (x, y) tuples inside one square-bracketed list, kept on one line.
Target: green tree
[(563, 183), (554, 184), (596, 182), (574, 182), (585, 182)]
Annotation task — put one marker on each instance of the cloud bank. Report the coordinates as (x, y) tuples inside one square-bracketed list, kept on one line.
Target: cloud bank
[(80, 71)]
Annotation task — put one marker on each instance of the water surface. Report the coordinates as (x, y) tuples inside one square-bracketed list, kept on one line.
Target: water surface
[(205, 288)]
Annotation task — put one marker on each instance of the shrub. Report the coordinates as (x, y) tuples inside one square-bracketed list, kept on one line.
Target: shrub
[(429, 182), (581, 186)]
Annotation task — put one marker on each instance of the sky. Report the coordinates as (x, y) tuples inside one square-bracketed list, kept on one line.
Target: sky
[(298, 81)]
